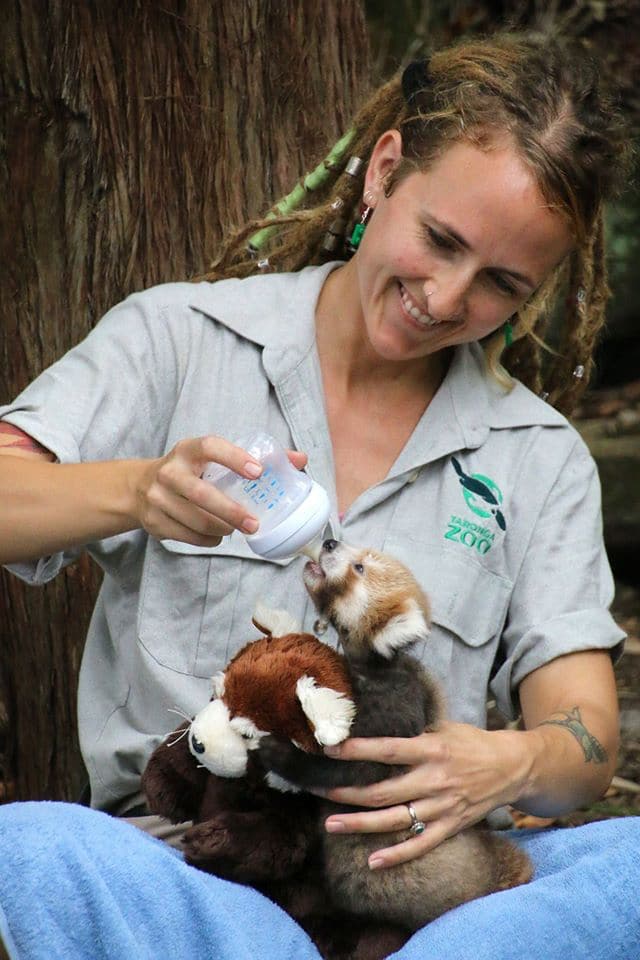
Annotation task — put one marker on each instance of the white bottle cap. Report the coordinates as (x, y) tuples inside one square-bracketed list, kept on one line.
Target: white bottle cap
[(302, 526)]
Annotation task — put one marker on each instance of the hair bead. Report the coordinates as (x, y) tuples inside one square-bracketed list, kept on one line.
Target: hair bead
[(353, 166)]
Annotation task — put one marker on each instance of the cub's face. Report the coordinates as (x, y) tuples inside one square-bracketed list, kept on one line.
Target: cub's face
[(372, 599)]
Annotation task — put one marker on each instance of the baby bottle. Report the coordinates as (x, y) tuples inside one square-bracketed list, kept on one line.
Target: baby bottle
[(292, 509)]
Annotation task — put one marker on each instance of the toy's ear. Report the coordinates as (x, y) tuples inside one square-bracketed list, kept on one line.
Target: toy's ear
[(329, 712), (274, 623), (217, 683), (401, 631)]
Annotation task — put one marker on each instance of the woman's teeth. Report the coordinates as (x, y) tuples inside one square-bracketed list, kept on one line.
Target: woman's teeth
[(414, 311)]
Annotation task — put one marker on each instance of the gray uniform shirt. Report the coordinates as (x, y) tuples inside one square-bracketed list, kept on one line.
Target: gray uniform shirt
[(494, 503)]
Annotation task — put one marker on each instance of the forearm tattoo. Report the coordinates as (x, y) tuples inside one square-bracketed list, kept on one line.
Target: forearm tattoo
[(591, 747)]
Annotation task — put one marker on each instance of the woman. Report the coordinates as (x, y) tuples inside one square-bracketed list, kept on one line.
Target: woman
[(482, 184)]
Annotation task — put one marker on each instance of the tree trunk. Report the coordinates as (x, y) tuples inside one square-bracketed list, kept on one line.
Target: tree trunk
[(133, 136)]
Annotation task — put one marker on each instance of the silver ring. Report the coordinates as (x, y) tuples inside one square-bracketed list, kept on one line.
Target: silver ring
[(417, 826)]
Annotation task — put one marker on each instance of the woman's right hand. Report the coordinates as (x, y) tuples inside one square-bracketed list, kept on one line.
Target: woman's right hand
[(173, 502)]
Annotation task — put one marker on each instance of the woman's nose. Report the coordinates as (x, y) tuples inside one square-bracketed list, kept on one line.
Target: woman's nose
[(447, 294)]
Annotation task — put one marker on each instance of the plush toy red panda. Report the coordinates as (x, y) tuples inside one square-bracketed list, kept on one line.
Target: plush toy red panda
[(286, 682), (248, 825)]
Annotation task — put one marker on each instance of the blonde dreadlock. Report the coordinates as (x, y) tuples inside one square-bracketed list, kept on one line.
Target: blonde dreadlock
[(547, 97)]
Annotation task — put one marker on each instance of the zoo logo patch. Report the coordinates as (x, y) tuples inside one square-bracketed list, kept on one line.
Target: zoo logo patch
[(484, 498)]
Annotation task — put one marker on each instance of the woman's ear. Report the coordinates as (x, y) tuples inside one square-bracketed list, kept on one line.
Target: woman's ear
[(386, 155)]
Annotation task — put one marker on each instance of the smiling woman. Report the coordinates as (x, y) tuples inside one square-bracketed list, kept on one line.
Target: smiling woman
[(448, 256), (477, 181)]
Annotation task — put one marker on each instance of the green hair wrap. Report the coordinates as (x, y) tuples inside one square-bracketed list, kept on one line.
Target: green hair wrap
[(311, 182)]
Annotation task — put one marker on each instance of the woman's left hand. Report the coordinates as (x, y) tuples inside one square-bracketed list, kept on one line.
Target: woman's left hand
[(457, 776)]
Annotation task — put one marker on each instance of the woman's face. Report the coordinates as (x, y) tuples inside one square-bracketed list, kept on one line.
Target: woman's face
[(453, 252)]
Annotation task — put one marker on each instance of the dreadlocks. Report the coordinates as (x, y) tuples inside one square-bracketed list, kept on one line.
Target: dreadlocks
[(547, 97)]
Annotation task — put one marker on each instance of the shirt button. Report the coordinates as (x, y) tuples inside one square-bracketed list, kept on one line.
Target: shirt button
[(413, 476)]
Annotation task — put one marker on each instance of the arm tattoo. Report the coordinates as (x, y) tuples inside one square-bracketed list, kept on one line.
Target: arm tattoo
[(11, 436), (592, 748)]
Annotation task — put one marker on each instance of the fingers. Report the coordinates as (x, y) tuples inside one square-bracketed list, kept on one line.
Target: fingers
[(378, 821), (393, 750), (177, 504), (394, 819), (298, 459), (414, 846), (174, 502)]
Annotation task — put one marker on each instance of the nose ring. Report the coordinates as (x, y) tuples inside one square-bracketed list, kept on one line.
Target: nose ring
[(429, 294)]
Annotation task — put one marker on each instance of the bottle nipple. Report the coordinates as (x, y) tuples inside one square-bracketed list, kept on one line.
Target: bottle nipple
[(312, 550)]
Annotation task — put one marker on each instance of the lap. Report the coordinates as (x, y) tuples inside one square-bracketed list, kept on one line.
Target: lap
[(78, 883), (582, 902)]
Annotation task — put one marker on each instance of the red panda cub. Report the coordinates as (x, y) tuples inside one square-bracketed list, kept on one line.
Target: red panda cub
[(379, 611)]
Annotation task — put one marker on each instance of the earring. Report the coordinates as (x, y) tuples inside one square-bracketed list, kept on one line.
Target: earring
[(508, 333), (354, 240)]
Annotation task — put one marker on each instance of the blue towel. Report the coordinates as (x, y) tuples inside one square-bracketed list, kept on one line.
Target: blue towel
[(583, 903), (76, 884)]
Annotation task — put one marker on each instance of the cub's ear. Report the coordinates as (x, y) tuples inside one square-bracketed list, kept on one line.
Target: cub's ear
[(274, 623), (403, 630)]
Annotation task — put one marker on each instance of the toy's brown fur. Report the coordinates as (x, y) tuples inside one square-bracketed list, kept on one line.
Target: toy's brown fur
[(260, 683)]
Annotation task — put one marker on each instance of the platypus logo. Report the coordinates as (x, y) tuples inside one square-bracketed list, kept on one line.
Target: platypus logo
[(482, 495)]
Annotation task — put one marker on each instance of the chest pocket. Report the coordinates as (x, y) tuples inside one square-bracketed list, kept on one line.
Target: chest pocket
[(468, 607), (196, 602)]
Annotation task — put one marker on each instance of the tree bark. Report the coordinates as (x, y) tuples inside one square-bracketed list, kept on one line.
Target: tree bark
[(132, 137)]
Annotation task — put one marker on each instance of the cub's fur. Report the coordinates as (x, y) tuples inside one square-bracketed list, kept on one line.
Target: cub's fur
[(379, 610)]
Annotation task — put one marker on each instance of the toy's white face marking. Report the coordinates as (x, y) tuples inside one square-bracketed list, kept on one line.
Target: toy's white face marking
[(215, 744), (248, 731), (401, 631), (330, 712)]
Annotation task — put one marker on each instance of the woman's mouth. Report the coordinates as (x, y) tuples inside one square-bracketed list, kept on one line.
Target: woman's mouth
[(414, 310)]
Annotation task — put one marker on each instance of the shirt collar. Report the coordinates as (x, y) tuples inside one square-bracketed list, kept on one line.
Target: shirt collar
[(277, 312)]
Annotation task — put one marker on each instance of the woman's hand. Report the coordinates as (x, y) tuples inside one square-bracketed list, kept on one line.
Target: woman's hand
[(173, 502), (457, 776)]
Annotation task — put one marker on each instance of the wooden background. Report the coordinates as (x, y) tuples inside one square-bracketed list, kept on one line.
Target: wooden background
[(131, 136)]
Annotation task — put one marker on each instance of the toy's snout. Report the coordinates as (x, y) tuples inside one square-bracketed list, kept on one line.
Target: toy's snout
[(214, 742)]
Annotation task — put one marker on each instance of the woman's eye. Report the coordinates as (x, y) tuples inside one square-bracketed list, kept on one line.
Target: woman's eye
[(439, 240), (358, 567), (503, 285)]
